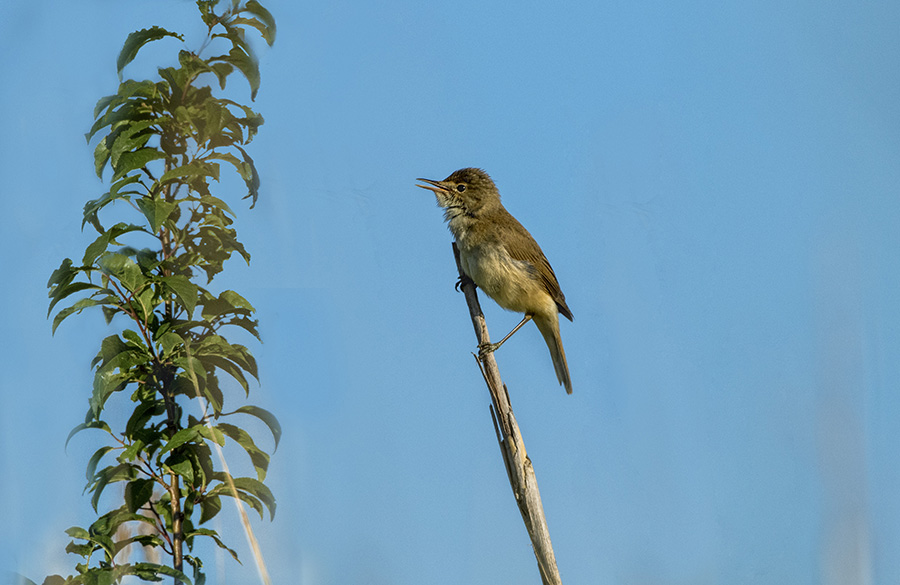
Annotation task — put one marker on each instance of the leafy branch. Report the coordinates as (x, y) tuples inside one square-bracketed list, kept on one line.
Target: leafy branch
[(163, 142)]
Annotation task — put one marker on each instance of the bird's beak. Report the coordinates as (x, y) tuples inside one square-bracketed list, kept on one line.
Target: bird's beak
[(435, 186)]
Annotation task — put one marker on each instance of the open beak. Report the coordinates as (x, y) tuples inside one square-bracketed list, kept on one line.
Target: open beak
[(435, 186)]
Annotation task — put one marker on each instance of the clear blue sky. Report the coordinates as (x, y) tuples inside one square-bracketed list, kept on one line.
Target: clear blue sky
[(717, 186)]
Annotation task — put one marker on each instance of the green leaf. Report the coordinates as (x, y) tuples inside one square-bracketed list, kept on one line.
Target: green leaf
[(108, 524), (214, 202), (227, 303), (257, 10), (191, 366), (76, 308), (209, 507), (265, 416), (255, 23), (62, 292), (180, 438), (97, 247), (122, 267), (157, 211), (259, 490), (135, 159), (230, 368), (212, 434), (181, 465), (169, 341), (245, 63), (83, 550), (106, 238), (185, 291), (92, 424), (110, 347), (152, 572), (134, 337), (130, 136), (212, 534), (222, 71), (95, 460), (138, 493), (138, 39), (105, 383), (62, 275), (249, 490), (78, 532), (131, 452), (101, 156), (141, 415), (259, 457), (109, 475), (150, 540), (251, 501), (196, 168), (236, 300), (92, 207), (250, 176), (127, 89)]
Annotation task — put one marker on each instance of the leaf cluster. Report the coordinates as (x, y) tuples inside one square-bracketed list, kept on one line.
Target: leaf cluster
[(163, 142)]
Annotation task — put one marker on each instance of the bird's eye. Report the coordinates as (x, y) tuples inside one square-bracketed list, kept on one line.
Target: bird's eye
[(460, 188)]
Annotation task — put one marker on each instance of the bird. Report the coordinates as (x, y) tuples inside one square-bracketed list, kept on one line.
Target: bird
[(499, 255)]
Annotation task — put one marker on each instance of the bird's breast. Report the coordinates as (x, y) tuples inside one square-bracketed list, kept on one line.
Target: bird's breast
[(513, 284)]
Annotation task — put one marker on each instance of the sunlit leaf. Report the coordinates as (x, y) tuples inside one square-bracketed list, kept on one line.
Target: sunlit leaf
[(181, 465), (101, 156), (78, 532), (133, 160), (185, 291), (157, 211), (179, 439), (153, 572), (122, 267), (197, 168)]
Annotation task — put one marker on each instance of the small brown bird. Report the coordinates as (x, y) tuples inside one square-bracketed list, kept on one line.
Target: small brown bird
[(502, 258)]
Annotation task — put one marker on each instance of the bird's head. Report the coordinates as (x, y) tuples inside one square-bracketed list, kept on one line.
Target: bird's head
[(465, 192)]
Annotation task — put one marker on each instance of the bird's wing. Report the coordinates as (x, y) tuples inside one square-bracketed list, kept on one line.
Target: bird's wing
[(535, 257)]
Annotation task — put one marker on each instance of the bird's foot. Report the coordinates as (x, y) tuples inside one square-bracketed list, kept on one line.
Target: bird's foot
[(486, 348), (462, 281)]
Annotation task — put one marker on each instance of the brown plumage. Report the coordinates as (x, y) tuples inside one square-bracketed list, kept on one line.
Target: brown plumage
[(502, 258)]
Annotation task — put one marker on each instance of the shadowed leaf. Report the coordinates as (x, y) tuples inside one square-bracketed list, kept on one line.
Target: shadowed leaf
[(138, 39)]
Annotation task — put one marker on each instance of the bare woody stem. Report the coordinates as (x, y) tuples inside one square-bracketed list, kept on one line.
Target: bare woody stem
[(518, 465)]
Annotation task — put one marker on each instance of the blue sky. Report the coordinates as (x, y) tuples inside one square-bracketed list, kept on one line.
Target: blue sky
[(716, 185)]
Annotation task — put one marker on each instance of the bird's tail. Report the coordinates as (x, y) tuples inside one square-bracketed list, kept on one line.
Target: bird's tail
[(549, 328)]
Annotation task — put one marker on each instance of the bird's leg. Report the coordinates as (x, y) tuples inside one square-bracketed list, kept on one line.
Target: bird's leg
[(486, 348), (463, 280)]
